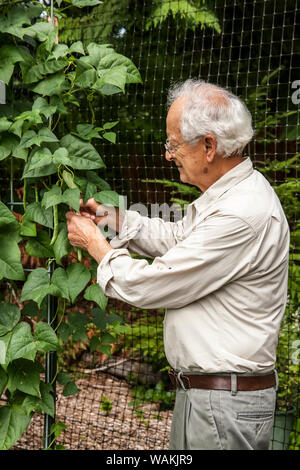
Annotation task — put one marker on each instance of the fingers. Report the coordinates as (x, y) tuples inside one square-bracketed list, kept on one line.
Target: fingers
[(101, 220), (69, 216), (90, 205), (88, 215)]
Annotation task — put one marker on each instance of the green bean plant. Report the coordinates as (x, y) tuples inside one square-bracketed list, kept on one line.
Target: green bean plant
[(46, 82)]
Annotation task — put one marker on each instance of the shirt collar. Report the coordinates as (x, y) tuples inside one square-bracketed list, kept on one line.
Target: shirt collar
[(227, 181)]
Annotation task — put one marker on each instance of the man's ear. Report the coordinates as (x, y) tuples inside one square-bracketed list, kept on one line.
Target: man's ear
[(210, 143)]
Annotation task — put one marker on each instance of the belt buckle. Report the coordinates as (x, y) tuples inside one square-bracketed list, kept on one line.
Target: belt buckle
[(181, 378)]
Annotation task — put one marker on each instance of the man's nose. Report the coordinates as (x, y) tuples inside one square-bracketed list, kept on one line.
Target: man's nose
[(168, 156)]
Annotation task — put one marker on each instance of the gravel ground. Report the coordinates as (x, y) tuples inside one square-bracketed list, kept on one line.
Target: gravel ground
[(89, 428)]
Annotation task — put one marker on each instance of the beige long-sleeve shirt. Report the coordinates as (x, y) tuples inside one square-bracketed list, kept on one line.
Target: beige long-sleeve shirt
[(221, 274)]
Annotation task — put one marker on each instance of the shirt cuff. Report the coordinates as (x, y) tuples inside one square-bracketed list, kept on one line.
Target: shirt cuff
[(132, 224), (104, 271)]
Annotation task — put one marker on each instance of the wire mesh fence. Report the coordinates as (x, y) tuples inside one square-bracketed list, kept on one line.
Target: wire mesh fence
[(124, 399)]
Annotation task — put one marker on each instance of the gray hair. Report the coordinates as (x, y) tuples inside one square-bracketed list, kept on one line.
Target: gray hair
[(210, 109)]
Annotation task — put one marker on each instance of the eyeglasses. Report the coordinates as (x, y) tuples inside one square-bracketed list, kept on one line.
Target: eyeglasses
[(171, 148)]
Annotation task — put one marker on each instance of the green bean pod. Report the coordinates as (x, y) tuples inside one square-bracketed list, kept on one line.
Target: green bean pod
[(55, 230)]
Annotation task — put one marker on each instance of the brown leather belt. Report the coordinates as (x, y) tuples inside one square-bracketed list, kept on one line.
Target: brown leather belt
[(223, 382)]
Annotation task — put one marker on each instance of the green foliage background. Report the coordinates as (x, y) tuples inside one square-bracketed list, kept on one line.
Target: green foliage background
[(250, 47)]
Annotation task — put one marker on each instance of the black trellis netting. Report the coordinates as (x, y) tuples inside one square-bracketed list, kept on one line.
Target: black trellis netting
[(251, 48)]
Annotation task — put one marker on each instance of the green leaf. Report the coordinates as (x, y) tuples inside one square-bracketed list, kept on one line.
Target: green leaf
[(6, 71), (86, 75), (96, 294), (82, 154), (62, 245), (13, 424), (72, 198), (47, 400), (70, 389), (53, 85), (28, 139), (37, 286), (10, 256), (80, 335), (115, 76), (40, 30), (188, 11), (19, 152), (108, 197), (11, 53), (9, 317), (33, 117), (28, 228), (85, 3), (57, 428), (78, 277), (14, 21), (72, 281), (40, 159), (52, 197), (59, 50), (60, 157), (46, 135), (21, 344), (87, 131), (9, 56), (40, 246), (43, 107), (110, 136), (60, 279), (105, 349), (46, 339), (4, 341), (40, 163), (64, 331), (8, 143), (24, 375), (63, 378), (118, 61), (6, 216), (96, 53), (110, 125), (77, 321), (37, 213), (99, 318), (35, 72), (3, 380), (30, 309), (90, 190), (77, 47), (4, 124)]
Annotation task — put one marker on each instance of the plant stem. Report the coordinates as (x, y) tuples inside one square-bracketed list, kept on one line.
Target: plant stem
[(36, 192)]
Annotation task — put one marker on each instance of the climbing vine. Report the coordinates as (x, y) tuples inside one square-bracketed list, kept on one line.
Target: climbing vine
[(45, 81)]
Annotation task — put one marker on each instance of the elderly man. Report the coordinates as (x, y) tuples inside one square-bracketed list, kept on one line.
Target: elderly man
[(220, 273)]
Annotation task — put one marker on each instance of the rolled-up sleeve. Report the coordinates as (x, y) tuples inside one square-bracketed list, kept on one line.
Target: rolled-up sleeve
[(218, 250), (146, 236)]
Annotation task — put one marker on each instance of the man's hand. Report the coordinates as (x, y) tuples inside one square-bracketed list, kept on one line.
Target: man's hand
[(102, 215), (84, 234)]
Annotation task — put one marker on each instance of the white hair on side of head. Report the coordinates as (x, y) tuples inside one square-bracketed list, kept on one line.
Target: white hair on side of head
[(210, 109)]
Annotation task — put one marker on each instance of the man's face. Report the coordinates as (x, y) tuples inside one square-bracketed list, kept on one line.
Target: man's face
[(190, 161)]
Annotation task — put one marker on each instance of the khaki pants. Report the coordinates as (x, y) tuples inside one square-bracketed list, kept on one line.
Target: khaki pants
[(220, 420)]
